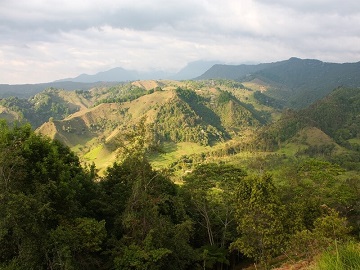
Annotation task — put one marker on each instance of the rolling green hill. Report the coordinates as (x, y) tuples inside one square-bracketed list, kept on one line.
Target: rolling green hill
[(51, 103), (176, 112), (215, 117), (57, 104)]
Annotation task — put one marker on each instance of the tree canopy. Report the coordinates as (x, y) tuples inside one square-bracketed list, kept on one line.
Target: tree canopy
[(59, 214)]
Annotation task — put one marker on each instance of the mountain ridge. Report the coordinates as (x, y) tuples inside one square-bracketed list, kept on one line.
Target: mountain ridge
[(298, 82), (104, 78), (295, 82)]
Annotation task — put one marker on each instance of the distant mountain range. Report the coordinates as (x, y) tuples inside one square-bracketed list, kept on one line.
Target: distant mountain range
[(193, 70), (118, 74), (295, 82), (105, 78)]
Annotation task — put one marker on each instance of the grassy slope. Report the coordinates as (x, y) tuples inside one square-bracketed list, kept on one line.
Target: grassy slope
[(8, 115), (91, 131), (149, 84), (308, 136), (88, 130)]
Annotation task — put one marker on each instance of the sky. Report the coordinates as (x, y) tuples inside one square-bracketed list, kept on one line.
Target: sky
[(46, 40)]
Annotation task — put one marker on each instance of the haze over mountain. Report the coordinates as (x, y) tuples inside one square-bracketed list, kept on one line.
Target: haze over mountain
[(119, 74), (194, 69), (116, 74)]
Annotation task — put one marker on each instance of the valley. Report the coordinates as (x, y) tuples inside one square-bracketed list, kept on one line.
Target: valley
[(204, 158)]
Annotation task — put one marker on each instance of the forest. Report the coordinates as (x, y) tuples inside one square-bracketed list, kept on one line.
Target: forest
[(58, 213), (201, 174)]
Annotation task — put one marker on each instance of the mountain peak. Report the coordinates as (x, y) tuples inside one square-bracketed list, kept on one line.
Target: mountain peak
[(294, 59)]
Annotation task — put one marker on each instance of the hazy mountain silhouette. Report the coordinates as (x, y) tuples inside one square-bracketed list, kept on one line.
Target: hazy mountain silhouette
[(118, 74), (193, 70)]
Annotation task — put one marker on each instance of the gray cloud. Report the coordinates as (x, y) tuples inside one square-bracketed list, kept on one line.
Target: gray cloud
[(58, 15), (318, 6), (48, 40)]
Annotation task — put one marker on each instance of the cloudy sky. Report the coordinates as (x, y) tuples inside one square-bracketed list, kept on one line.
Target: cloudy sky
[(45, 40)]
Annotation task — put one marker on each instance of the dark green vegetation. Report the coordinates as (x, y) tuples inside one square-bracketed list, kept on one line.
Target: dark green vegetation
[(296, 82), (336, 116), (255, 179), (57, 214), (40, 108)]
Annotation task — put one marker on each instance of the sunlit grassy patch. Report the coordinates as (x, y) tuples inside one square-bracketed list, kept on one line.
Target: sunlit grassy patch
[(344, 258), (173, 151)]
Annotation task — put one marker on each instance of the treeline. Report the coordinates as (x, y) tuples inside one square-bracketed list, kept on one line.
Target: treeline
[(57, 214), (125, 93)]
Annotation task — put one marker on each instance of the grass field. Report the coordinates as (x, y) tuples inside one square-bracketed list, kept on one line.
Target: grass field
[(173, 151), (355, 140), (101, 157)]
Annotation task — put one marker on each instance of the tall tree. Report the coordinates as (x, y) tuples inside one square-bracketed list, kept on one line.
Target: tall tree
[(259, 219), (42, 186), (155, 231), (211, 192)]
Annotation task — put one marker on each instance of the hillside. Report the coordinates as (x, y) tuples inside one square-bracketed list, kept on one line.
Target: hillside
[(298, 82), (231, 165), (57, 104), (336, 117), (174, 114), (9, 115), (51, 103), (216, 117)]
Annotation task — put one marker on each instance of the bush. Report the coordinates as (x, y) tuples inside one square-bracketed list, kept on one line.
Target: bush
[(328, 229), (345, 257)]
